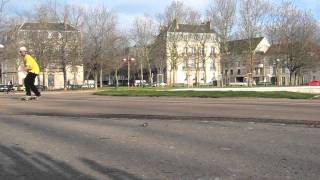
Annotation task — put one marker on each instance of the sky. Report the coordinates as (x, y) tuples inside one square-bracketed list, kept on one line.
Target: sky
[(128, 9)]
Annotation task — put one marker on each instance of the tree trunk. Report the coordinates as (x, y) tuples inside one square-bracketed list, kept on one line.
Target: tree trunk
[(205, 73), (116, 75), (95, 79), (251, 69), (141, 72), (64, 69), (101, 77), (150, 74), (174, 77), (43, 79), (290, 78)]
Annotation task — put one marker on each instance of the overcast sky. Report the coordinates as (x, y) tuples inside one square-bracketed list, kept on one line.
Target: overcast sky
[(128, 9)]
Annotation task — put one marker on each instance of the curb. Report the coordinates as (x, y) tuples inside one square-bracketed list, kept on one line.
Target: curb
[(312, 123)]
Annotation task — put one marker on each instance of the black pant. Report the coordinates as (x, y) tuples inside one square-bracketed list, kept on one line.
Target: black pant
[(29, 84)]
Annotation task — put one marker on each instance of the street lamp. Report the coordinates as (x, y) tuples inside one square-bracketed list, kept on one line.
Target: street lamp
[(128, 59), (2, 66), (276, 71)]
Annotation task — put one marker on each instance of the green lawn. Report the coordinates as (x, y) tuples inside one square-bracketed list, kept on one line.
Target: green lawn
[(150, 92)]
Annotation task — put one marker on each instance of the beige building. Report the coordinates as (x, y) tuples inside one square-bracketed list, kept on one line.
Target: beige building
[(191, 54), (57, 48)]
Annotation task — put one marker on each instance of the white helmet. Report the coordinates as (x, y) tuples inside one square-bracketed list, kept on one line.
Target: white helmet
[(23, 49)]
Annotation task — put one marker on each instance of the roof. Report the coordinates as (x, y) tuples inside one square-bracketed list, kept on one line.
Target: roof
[(240, 46), (47, 26), (203, 28), (274, 49), (189, 28)]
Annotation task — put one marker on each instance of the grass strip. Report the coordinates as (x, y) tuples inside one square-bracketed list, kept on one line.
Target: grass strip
[(202, 94)]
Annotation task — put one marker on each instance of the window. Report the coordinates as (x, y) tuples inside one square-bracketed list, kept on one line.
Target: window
[(226, 72), (185, 37), (212, 51), (194, 50), (186, 50), (239, 71), (212, 66), (231, 71), (192, 64), (202, 51)]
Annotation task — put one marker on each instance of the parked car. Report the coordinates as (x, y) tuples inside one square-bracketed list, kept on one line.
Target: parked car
[(159, 84), (140, 83), (19, 88), (74, 86), (313, 83), (3, 88), (88, 84), (238, 84), (264, 83)]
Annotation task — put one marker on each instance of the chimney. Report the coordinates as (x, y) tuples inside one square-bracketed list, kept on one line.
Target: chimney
[(175, 23), (208, 25)]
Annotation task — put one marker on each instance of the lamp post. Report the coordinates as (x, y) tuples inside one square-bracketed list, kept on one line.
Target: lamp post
[(276, 72), (128, 59), (1, 47)]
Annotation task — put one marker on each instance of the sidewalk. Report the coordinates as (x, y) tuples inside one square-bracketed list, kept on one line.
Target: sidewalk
[(300, 89)]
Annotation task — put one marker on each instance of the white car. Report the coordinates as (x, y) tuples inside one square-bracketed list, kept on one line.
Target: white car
[(238, 84)]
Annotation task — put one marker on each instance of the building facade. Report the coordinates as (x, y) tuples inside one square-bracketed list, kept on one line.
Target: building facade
[(191, 54), (55, 46)]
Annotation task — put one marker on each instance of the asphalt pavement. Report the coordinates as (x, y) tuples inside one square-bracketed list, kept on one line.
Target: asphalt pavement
[(79, 136)]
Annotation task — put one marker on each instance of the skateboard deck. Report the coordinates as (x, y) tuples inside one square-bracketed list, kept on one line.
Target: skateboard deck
[(29, 98)]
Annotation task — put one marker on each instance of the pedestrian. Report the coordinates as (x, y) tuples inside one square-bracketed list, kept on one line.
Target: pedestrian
[(32, 68), (10, 87)]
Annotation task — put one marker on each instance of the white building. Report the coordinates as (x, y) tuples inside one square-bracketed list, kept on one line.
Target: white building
[(191, 54)]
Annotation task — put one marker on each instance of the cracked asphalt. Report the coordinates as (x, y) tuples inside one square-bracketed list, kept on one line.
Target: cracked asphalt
[(81, 136)]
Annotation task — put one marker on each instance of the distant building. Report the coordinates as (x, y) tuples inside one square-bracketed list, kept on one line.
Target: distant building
[(235, 65), (57, 48), (189, 54)]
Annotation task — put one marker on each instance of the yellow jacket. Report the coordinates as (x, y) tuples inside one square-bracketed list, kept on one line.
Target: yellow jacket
[(31, 64)]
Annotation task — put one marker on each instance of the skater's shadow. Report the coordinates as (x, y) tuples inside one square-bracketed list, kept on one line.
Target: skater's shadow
[(16, 163)]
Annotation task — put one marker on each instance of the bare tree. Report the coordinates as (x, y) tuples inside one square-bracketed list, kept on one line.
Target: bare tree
[(253, 14), (296, 32), (99, 23), (172, 40), (3, 4), (143, 34), (119, 51), (195, 54), (221, 14), (159, 54), (193, 16), (176, 10)]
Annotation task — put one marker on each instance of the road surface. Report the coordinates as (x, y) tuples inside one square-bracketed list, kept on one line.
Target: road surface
[(80, 136)]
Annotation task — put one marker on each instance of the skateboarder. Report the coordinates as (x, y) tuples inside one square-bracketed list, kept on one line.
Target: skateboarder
[(32, 68)]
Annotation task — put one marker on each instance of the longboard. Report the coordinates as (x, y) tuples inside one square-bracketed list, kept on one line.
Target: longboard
[(29, 99)]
